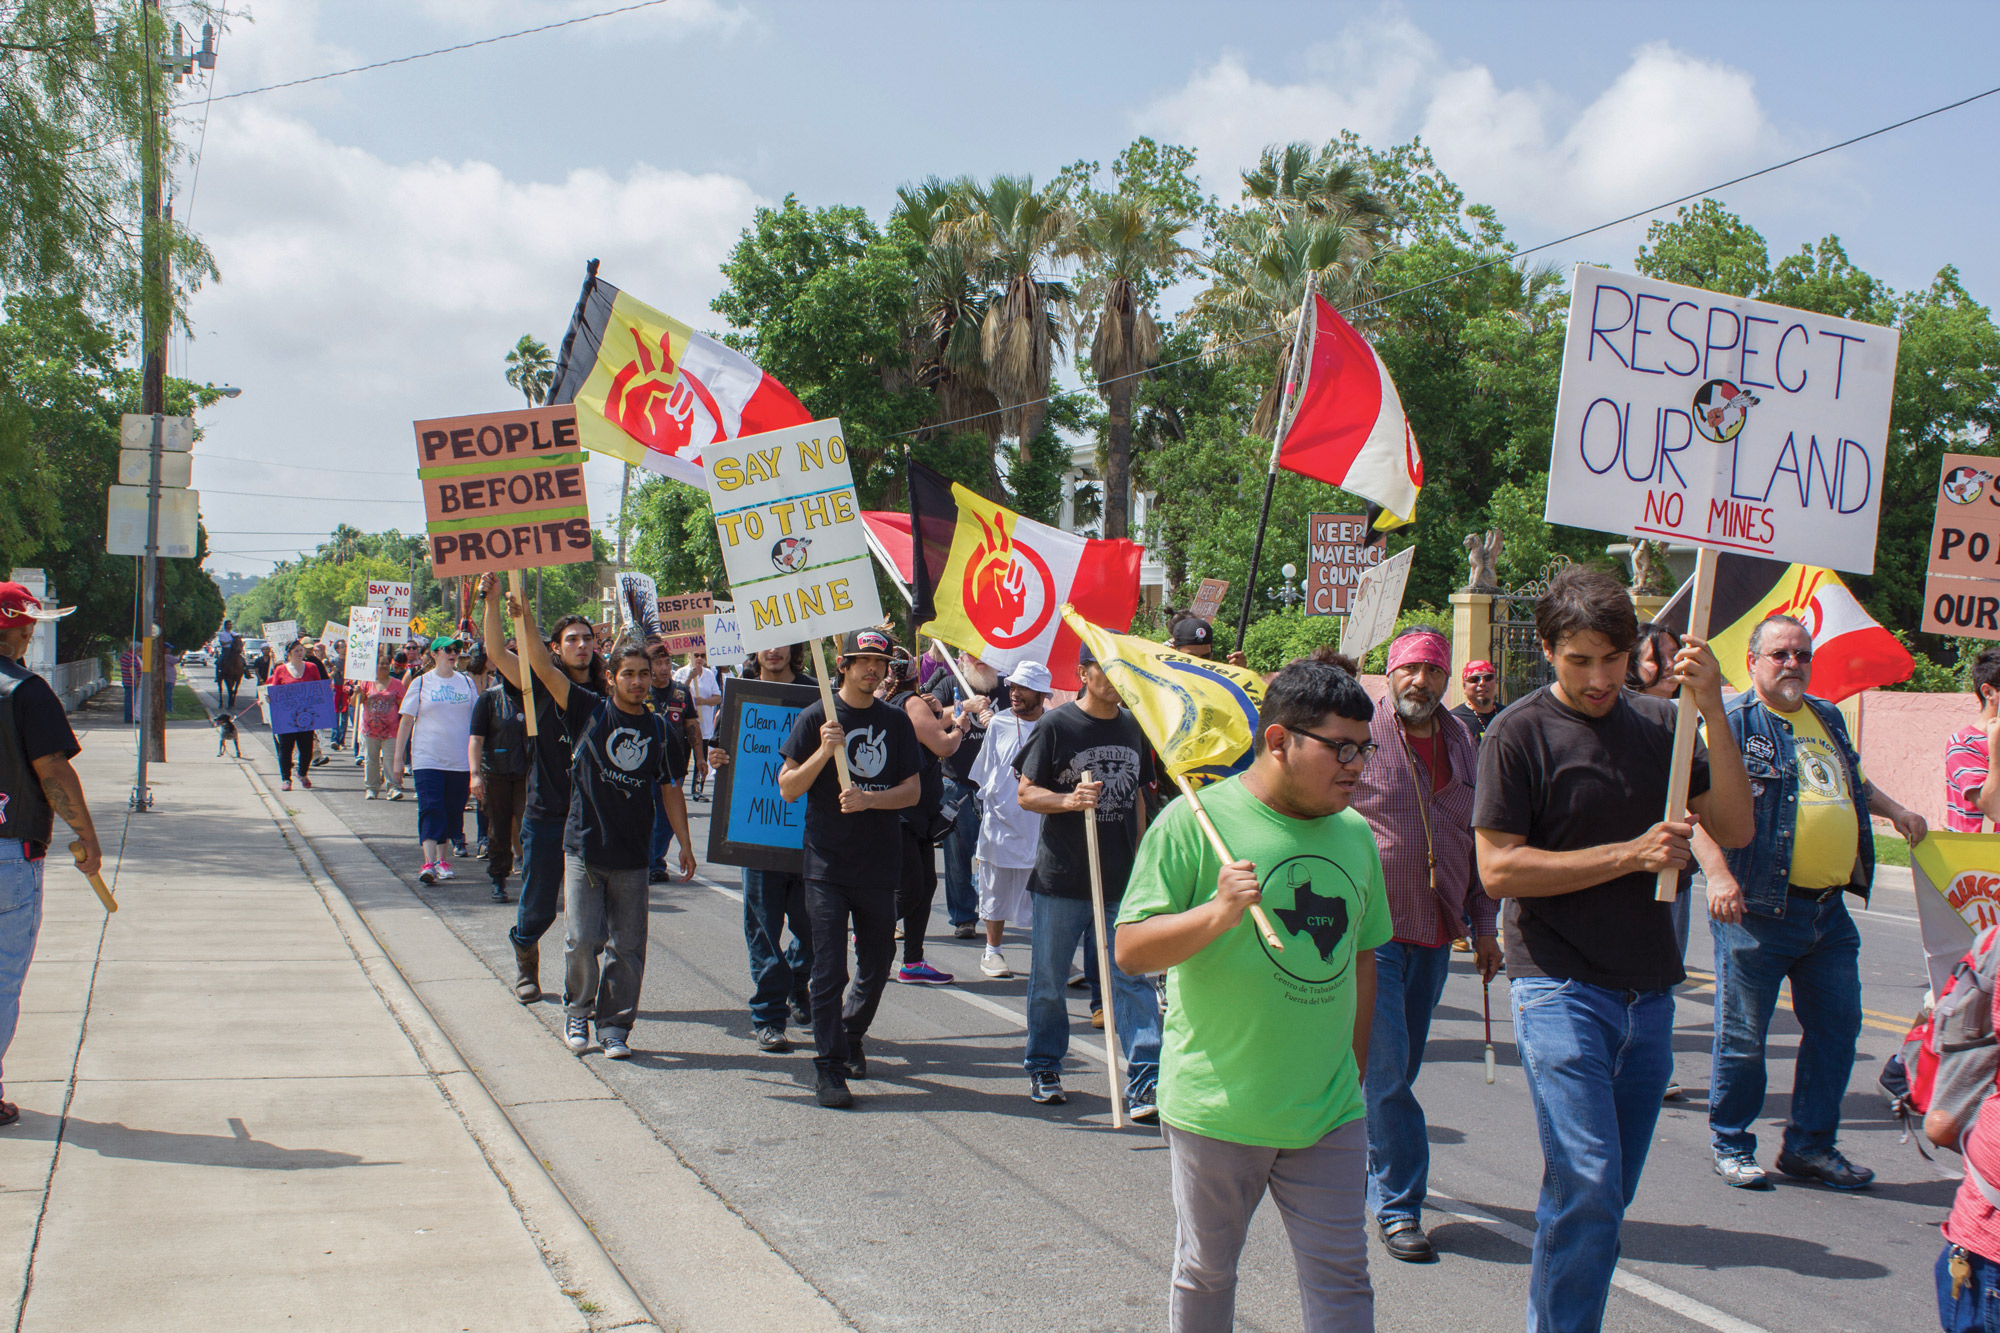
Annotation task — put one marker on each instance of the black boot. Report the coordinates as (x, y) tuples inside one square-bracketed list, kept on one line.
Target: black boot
[(832, 1091)]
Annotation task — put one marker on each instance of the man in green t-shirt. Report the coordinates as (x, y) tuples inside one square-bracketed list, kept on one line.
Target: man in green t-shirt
[(1260, 1082)]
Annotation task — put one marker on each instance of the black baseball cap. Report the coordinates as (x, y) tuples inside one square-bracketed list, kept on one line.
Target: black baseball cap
[(1192, 630), (866, 643)]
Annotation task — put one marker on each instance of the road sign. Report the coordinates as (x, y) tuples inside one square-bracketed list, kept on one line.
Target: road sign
[(135, 431), (125, 521), (135, 468)]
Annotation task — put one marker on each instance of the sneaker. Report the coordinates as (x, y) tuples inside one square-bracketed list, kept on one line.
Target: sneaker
[(1046, 1090), (499, 891), (1829, 1168), (444, 870), (368, 796), (429, 874), (994, 965), (832, 1091), (359, 758), (576, 1031), (857, 1059), (921, 973), (287, 785), (1078, 980), (306, 781), (614, 1045), (395, 793), (1673, 1092), (802, 1013), (773, 1039), (968, 931), (484, 851), (899, 930), (1142, 1110), (657, 875), (458, 850), (1741, 1170), (319, 761), (1097, 1019)]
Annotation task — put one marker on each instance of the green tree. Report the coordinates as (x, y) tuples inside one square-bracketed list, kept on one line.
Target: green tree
[(530, 369)]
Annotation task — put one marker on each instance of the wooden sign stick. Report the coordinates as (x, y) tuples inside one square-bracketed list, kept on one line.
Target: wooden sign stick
[(79, 851), (1222, 850), (826, 697), (1669, 884), (1103, 933), (521, 645)]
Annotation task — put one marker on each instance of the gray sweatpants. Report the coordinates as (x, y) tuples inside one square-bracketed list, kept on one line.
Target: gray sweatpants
[(1320, 1191), (605, 912)]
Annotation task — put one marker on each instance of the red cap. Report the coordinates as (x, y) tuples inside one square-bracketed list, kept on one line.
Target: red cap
[(1479, 664), (19, 607)]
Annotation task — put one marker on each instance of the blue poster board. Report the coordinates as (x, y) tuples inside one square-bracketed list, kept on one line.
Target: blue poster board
[(750, 824), (305, 705)]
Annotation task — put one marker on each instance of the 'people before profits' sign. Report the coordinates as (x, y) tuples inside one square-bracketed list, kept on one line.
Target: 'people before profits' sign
[(504, 490)]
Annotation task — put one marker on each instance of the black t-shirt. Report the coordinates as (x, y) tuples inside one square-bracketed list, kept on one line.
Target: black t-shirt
[(1565, 782), (959, 762), (1475, 721), (498, 721), (548, 775), (865, 849), (42, 729), (1065, 743), (675, 705), (620, 757)]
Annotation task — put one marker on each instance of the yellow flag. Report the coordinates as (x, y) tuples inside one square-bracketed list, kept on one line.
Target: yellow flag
[(625, 398), (1201, 715)]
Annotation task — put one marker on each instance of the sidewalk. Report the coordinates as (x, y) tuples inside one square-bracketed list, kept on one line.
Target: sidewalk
[(234, 1113)]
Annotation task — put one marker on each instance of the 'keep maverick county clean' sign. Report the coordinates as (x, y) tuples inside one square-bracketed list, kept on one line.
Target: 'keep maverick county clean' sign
[(791, 532), (504, 490), (1721, 421)]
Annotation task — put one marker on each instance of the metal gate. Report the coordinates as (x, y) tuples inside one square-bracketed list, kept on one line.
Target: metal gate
[(1517, 649)]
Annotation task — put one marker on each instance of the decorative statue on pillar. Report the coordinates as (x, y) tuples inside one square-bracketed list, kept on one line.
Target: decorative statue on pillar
[(1481, 555), (1649, 568)]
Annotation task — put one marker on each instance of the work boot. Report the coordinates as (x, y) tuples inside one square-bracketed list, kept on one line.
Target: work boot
[(528, 978)]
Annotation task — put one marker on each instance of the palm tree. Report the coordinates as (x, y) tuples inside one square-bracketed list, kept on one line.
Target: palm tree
[(343, 544), (1018, 235), (947, 307), (530, 368), (1127, 243)]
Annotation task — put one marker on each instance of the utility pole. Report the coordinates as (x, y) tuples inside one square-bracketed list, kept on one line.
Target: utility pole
[(624, 487)]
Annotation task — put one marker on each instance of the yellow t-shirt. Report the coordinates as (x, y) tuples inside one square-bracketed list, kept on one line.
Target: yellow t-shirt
[(1826, 835)]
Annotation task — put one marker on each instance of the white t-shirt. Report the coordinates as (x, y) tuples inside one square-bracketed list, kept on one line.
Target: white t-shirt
[(443, 710), (699, 683), (1007, 833)]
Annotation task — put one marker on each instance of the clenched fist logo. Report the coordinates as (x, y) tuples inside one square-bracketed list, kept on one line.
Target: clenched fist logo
[(640, 394), (867, 752)]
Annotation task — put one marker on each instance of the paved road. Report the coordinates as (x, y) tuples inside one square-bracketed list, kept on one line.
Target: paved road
[(948, 1200)]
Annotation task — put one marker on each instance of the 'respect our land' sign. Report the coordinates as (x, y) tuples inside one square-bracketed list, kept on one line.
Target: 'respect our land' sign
[(1720, 421)]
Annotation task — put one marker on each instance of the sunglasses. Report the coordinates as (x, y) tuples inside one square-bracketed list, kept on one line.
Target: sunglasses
[(1345, 752), (1803, 656), (1480, 680)]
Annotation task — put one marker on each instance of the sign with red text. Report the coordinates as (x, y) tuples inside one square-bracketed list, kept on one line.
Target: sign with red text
[(684, 620), (1208, 598), (1338, 553), (1725, 422), (1962, 576), (394, 599), (504, 490)]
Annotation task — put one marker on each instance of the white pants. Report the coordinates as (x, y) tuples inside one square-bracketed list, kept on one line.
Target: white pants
[(1004, 896)]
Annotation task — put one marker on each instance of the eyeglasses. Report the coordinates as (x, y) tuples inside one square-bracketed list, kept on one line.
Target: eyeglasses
[(1480, 680), (1803, 656), (1345, 752)]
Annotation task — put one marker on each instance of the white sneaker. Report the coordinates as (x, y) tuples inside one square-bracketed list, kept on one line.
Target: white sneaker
[(995, 965), (395, 793), (444, 870), (368, 796)]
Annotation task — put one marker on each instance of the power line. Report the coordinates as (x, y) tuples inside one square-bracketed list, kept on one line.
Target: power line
[(305, 467), (332, 499), (1507, 258), (445, 50)]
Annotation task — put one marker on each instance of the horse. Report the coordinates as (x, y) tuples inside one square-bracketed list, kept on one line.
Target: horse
[(229, 672)]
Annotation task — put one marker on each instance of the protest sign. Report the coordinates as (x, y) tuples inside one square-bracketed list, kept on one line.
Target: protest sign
[(639, 605), (1962, 583), (364, 641), (792, 537), (1338, 552), (1208, 598), (724, 643), (750, 824), (305, 705), (1722, 421), (1957, 882), (394, 599), (683, 620), (1377, 601), (332, 632), (504, 490), (279, 634)]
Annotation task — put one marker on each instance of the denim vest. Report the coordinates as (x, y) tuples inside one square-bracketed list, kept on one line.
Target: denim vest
[(1764, 867)]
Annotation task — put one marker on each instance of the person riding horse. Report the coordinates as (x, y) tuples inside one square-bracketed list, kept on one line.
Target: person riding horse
[(229, 668)]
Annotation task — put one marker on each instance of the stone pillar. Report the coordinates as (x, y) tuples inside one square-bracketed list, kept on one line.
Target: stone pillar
[(1471, 638), (1648, 604)]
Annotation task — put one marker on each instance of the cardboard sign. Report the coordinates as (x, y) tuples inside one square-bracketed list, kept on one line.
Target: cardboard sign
[(1208, 598), (1338, 552), (364, 640), (792, 538), (750, 823), (1721, 421), (305, 705), (684, 620), (504, 490), (1962, 583), (279, 634), (394, 599), (725, 643), (1377, 601)]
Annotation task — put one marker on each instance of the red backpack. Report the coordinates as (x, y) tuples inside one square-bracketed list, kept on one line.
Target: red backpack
[(1949, 1061)]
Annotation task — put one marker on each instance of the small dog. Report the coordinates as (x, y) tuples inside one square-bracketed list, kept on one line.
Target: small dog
[(225, 726)]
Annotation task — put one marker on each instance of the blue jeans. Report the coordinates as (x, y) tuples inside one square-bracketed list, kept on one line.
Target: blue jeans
[(1598, 1062), (128, 700), (20, 923), (663, 834), (961, 894), (1059, 927), (340, 728), (541, 880), (1819, 950), (778, 973), (1409, 980), (1977, 1309)]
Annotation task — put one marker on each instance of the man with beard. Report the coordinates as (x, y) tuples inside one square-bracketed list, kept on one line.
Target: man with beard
[(1778, 911), (1416, 794), (974, 712), (1007, 833), (1481, 682)]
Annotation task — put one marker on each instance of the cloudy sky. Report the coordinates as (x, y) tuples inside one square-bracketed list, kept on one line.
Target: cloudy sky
[(385, 237)]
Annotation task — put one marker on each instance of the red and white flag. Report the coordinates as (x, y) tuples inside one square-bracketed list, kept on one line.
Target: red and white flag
[(721, 394), (1349, 429)]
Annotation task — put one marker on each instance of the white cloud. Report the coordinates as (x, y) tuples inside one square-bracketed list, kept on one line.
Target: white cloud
[(360, 294), (1668, 123)]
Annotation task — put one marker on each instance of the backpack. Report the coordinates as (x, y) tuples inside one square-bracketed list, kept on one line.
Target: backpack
[(506, 751), (1949, 1060)]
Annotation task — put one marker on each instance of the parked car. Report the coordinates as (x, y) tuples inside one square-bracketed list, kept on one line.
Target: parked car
[(196, 657)]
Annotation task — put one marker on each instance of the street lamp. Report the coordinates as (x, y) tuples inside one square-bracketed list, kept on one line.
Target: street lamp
[(1286, 593)]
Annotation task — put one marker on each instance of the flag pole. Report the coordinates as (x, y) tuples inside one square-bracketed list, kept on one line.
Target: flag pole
[(1668, 887), (1103, 931), (1222, 850), (826, 698), (1286, 410)]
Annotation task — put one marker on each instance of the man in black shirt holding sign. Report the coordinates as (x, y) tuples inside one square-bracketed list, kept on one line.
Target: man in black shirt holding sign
[(1566, 814), (853, 850)]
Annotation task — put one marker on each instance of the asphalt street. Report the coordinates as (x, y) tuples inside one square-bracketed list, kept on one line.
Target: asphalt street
[(947, 1200)]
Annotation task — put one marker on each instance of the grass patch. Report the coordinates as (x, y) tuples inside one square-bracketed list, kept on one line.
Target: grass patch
[(186, 708), (1891, 850)]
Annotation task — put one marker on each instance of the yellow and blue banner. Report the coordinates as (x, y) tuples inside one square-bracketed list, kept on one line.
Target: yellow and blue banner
[(1201, 715)]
